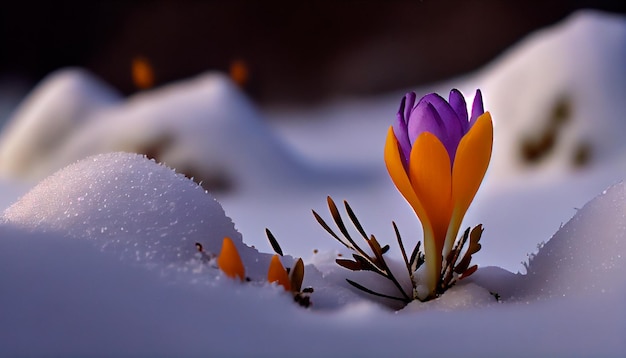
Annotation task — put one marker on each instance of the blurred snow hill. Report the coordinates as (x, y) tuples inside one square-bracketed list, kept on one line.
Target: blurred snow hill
[(204, 127), (48, 116), (556, 98)]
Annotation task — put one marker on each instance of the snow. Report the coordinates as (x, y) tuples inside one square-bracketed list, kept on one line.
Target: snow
[(141, 212), (188, 125), (587, 255), (113, 305), (126, 203), (41, 123), (565, 66), (99, 257)]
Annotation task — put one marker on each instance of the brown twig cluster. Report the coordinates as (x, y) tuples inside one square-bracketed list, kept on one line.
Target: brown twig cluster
[(375, 261)]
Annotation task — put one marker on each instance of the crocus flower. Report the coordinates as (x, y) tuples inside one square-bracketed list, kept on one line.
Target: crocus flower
[(437, 158), (229, 261)]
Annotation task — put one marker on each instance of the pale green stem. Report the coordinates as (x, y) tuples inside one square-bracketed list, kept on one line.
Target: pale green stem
[(453, 230), (433, 261)]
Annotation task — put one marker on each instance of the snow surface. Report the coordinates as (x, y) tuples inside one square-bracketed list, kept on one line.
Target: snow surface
[(140, 212), (133, 207), (81, 292), (138, 287)]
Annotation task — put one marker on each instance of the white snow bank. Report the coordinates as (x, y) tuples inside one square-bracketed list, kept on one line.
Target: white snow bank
[(145, 213), (44, 120), (79, 301), (586, 257), (64, 297), (129, 205)]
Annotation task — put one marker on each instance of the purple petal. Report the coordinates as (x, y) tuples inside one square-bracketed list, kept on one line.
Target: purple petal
[(452, 124), (400, 129), (447, 114), (477, 107), (426, 119), (400, 113), (410, 106), (457, 102)]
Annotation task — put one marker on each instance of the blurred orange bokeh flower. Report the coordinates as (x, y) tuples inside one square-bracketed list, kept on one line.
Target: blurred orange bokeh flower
[(142, 73)]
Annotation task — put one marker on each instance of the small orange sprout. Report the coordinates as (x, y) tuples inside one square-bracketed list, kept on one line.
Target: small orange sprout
[(277, 273), (142, 72), (229, 260)]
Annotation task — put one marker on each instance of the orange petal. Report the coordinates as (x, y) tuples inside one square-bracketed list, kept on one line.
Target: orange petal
[(400, 178), (470, 164), (229, 260), (431, 178), (277, 273)]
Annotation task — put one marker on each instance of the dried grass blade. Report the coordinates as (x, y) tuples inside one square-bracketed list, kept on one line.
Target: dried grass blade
[(414, 261), (273, 242), (338, 220), (296, 276), (402, 250), (367, 290), (350, 265), (328, 229), (354, 220)]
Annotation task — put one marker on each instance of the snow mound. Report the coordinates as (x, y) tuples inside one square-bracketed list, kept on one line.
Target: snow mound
[(145, 213), (128, 205), (204, 127), (78, 301), (557, 99), (587, 256), (63, 101)]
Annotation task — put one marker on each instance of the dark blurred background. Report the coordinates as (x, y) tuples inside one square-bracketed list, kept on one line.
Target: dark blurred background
[(284, 51)]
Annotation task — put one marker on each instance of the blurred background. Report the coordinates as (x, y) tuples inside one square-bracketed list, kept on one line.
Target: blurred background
[(297, 52), (311, 72)]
